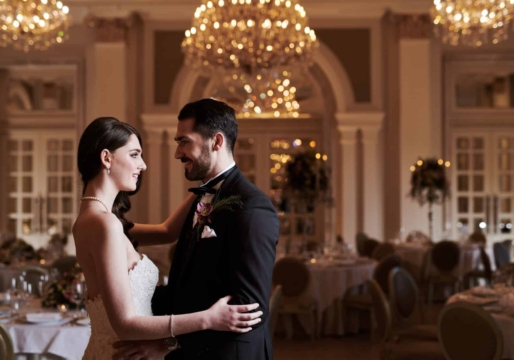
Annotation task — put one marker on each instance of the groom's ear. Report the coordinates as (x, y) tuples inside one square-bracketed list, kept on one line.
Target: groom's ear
[(218, 141)]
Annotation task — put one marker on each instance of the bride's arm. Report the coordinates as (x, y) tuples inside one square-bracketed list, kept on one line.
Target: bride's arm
[(165, 233), (108, 249)]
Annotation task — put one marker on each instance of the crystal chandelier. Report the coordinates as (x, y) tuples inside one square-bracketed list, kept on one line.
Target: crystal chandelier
[(472, 22), (249, 35), (252, 45), (270, 94), (32, 24)]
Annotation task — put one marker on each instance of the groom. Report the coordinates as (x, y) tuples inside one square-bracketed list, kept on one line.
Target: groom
[(230, 252)]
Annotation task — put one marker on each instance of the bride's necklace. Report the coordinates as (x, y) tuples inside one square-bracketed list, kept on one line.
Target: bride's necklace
[(95, 199)]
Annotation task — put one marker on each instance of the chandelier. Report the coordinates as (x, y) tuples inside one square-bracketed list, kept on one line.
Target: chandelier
[(252, 45), (270, 94), (37, 24), (472, 22), (249, 35)]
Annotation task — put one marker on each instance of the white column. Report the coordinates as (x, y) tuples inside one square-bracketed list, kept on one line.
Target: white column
[(158, 123), (176, 169), (349, 177), (153, 176), (106, 69), (372, 178), (416, 125)]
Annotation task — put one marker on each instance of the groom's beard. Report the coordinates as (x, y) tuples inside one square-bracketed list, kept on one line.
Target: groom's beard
[(200, 167)]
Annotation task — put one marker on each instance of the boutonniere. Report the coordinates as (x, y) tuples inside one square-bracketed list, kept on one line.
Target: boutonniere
[(206, 211)]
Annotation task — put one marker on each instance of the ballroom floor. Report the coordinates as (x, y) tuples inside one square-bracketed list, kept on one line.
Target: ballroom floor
[(345, 348)]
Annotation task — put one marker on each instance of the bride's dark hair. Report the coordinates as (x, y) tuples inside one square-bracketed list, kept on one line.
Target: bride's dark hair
[(111, 134)]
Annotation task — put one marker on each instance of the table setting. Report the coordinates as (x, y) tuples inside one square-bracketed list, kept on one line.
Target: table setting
[(50, 320), (334, 271)]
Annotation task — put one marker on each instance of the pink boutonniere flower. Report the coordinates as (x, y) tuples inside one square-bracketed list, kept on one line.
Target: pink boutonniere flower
[(203, 211)]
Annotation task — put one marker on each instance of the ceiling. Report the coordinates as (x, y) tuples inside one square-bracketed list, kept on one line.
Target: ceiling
[(182, 10)]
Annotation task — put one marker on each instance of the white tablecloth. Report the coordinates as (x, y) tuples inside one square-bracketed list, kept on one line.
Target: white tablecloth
[(413, 255), (328, 285), (67, 341), (505, 322)]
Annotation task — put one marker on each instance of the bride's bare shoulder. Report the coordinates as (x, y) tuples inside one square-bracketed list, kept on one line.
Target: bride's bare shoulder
[(96, 223)]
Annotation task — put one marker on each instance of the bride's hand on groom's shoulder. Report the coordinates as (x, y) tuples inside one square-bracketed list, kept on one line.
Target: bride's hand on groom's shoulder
[(237, 318), (141, 349)]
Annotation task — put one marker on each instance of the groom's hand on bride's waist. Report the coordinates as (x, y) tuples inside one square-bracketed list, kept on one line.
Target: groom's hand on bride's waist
[(142, 349)]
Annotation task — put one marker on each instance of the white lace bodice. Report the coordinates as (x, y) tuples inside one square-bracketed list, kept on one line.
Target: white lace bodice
[(143, 279)]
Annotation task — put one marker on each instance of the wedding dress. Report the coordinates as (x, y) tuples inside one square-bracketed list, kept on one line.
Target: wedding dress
[(143, 280)]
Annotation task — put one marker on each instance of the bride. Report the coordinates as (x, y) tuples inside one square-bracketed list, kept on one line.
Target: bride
[(121, 281)]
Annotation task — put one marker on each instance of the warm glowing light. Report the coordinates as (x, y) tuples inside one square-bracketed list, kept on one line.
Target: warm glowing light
[(38, 24), (472, 23)]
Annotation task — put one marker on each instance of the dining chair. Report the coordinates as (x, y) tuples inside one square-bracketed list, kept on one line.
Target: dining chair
[(33, 275), (398, 347), (363, 301), (360, 238), (485, 273), (445, 258), (369, 247), (501, 255), (295, 277), (404, 300), (6, 345), (274, 304), (466, 331), (382, 251), (64, 264)]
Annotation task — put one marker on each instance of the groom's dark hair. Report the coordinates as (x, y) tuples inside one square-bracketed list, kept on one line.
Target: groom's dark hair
[(212, 116)]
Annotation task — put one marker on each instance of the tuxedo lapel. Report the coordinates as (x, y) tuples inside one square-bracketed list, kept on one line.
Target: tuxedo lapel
[(223, 192), (182, 246)]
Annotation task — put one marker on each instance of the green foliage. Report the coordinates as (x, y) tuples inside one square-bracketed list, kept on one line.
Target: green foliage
[(307, 179), (429, 183)]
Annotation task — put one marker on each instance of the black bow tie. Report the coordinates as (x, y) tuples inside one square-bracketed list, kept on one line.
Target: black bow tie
[(202, 190), (208, 187)]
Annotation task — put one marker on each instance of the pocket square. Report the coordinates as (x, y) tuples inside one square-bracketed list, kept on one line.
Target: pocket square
[(208, 232)]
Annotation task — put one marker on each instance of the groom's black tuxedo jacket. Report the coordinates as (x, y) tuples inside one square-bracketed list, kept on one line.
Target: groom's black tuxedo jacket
[(238, 262)]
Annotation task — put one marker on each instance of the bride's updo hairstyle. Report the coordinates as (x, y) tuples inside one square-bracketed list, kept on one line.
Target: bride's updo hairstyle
[(111, 134)]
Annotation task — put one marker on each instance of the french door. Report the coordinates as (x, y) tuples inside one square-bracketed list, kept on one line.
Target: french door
[(42, 184), (482, 183)]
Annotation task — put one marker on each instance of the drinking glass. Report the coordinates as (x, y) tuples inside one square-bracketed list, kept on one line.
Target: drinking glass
[(78, 294)]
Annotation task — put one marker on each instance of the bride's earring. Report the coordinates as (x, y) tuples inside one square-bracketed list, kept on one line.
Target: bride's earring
[(108, 171)]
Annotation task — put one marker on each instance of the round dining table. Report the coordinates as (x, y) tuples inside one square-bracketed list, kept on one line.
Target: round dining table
[(331, 279), (62, 340)]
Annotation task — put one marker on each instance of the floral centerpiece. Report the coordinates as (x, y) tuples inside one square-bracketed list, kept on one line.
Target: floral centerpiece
[(14, 249), (60, 291), (429, 184), (307, 182), (307, 179)]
